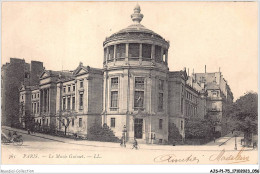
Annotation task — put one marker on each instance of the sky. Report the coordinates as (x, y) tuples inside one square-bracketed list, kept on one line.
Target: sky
[(61, 34)]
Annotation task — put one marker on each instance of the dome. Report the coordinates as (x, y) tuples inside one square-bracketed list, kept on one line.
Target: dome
[(135, 29)]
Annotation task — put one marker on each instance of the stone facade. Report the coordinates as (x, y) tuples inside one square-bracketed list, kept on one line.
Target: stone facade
[(135, 94)]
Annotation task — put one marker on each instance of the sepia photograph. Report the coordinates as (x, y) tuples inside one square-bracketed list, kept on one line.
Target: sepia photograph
[(129, 83)]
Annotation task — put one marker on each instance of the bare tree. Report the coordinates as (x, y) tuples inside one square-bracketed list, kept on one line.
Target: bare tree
[(67, 115)]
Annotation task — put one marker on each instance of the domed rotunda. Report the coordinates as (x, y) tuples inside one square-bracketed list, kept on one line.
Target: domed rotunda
[(135, 83)]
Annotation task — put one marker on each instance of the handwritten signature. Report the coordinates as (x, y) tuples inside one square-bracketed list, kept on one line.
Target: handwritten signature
[(171, 158), (237, 158)]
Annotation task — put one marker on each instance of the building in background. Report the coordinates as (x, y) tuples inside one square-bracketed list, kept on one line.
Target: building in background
[(14, 74), (219, 96)]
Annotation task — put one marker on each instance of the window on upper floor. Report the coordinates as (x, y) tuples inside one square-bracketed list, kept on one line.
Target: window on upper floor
[(160, 102), (64, 104), (64, 89), (81, 101), (146, 51), (139, 92), (161, 82), (81, 84), (114, 99), (68, 103), (114, 83), (110, 52), (120, 50), (73, 87), (134, 50), (68, 88), (73, 103), (139, 82), (158, 54)]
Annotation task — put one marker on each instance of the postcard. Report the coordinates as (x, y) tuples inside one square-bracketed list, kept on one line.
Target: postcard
[(129, 83)]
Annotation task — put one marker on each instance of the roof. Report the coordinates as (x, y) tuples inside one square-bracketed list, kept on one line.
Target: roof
[(136, 28)]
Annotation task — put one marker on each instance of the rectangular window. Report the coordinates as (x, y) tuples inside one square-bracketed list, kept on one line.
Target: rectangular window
[(80, 122), (68, 103), (134, 50), (35, 108), (32, 108), (114, 99), (120, 50), (81, 101), (73, 87), (146, 51), (160, 123), (181, 105), (64, 89), (73, 103), (161, 84), (114, 83), (110, 52), (139, 82), (160, 102), (47, 122), (32, 96), (81, 84), (158, 53), (68, 88), (38, 95), (72, 122), (64, 104), (113, 122), (139, 99), (38, 107), (181, 125)]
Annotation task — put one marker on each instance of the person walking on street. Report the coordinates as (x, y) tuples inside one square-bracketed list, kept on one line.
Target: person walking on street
[(135, 144)]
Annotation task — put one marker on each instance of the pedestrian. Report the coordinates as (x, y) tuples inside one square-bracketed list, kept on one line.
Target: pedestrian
[(9, 134), (135, 144)]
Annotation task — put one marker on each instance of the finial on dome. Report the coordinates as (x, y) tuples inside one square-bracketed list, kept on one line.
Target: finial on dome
[(137, 16)]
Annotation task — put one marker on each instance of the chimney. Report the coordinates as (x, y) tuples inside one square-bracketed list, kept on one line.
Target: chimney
[(205, 69)]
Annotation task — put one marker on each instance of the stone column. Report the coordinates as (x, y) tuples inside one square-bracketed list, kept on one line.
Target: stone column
[(153, 53), (49, 97), (126, 52), (106, 54), (166, 57), (161, 54), (114, 53), (43, 94), (140, 53)]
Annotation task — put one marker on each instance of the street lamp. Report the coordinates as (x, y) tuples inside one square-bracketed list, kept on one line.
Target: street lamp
[(124, 132), (235, 142)]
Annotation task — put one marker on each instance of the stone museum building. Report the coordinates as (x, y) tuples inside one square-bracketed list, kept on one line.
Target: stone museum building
[(134, 93)]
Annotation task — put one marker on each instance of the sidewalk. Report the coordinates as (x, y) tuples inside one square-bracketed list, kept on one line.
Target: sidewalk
[(208, 147)]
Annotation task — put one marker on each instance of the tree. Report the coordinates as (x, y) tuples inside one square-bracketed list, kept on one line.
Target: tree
[(196, 128), (243, 113), (102, 133), (67, 115), (174, 134)]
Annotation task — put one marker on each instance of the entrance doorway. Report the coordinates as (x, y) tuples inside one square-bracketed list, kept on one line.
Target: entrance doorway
[(138, 128)]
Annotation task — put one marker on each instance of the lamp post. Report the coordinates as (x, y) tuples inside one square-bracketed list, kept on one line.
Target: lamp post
[(235, 142), (124, 131)]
